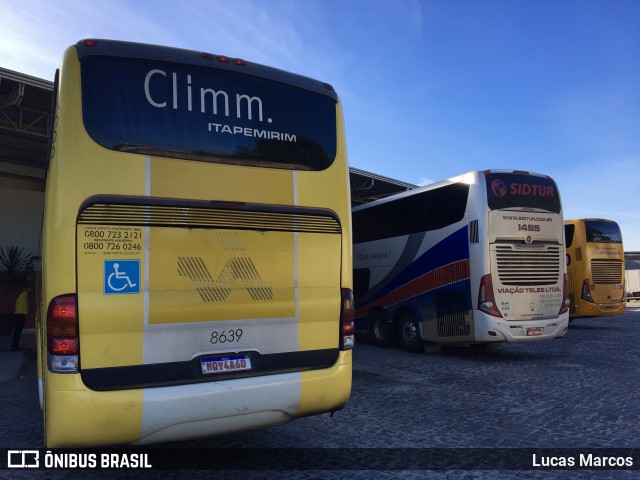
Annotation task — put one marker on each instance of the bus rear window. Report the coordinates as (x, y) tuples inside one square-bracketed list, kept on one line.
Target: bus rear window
[(520, 190), (207, 114), (602, 231)]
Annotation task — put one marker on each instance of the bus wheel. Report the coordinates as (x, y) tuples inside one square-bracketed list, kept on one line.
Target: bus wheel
[(380, 330), (409, 333)]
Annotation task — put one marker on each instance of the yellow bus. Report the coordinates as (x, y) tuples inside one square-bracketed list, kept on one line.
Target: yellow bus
[(197, 274), (595, 264)]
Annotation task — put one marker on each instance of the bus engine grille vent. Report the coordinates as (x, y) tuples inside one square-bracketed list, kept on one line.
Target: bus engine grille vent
[(607, 270), (474, 235), (195, 216), (453, 310), (528, 267)]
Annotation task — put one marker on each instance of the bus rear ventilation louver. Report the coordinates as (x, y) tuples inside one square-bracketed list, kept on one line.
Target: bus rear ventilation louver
[(202, 217), (529, 267), (607, 271)]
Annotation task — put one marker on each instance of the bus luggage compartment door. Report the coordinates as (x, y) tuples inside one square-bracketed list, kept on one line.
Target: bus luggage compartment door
[(187, 293)]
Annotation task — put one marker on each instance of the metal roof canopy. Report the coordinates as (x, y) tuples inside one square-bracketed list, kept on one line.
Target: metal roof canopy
[(25, 119), (25, 125), (367, 187)]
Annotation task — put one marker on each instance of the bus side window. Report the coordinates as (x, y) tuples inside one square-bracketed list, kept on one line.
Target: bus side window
[(568, 234)]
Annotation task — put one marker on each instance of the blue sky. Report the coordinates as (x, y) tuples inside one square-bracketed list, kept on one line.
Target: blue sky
[(430, 89)]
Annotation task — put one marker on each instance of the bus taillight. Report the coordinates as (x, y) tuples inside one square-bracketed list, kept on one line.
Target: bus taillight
[(486, 299), (62, 334), (586, 291), (347, 325), (565, 295)]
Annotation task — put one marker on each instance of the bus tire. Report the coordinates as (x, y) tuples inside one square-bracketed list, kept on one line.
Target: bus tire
[(409, 333), (380, 330)]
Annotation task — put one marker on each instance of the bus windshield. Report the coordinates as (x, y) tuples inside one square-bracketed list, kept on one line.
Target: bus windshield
[(213, 114), (601, 231), (521, 190)]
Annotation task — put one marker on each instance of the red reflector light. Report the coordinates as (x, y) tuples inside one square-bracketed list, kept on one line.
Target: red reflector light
[(566, 301), (62, 308), (347, 324), (89, 42), (486, 299), (492, 333), (348, 328), (207, 56), (223, 59), (239, 61), (62, 317), (63, 346), (347, 313), (62, 334)]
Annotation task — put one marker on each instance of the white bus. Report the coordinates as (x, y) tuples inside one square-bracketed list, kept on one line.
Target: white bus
[(473, 259)]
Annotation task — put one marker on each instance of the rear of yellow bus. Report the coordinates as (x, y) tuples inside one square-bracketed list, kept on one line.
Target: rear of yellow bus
[(595, 263), (196, 248)]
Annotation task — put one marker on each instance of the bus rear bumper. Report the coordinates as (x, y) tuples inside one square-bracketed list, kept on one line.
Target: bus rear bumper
[(78, 417), (493, 329), (589, 309)]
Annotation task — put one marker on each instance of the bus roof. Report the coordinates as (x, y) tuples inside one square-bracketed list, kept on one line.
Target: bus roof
[(462, 178), (116, 48)]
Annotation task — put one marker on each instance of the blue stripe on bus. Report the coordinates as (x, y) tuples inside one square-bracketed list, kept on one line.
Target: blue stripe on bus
[(451, 249)]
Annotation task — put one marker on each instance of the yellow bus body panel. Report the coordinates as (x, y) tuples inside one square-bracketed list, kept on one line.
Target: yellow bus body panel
[(315, 394), (74, 418), (317, 265)]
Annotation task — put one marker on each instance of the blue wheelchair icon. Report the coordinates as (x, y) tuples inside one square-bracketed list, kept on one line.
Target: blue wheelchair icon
[(121, 276)]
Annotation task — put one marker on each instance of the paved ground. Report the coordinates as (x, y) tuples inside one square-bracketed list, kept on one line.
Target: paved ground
[(577, 392)]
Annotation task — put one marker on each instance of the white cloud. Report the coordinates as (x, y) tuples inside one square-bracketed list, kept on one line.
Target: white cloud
[(425, 181), (36, 32)]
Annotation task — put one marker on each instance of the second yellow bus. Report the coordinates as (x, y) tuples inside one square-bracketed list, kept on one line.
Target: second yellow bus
[(595, 264)]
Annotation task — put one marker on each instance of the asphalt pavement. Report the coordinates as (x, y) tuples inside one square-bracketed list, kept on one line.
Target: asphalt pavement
[(576, 392), (11, 362)]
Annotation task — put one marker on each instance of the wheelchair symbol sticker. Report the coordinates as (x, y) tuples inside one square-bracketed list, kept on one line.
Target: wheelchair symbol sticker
[(121, 276)]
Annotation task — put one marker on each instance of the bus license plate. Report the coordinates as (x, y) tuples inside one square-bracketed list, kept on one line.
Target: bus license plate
[(228, 364), (532, 332)]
